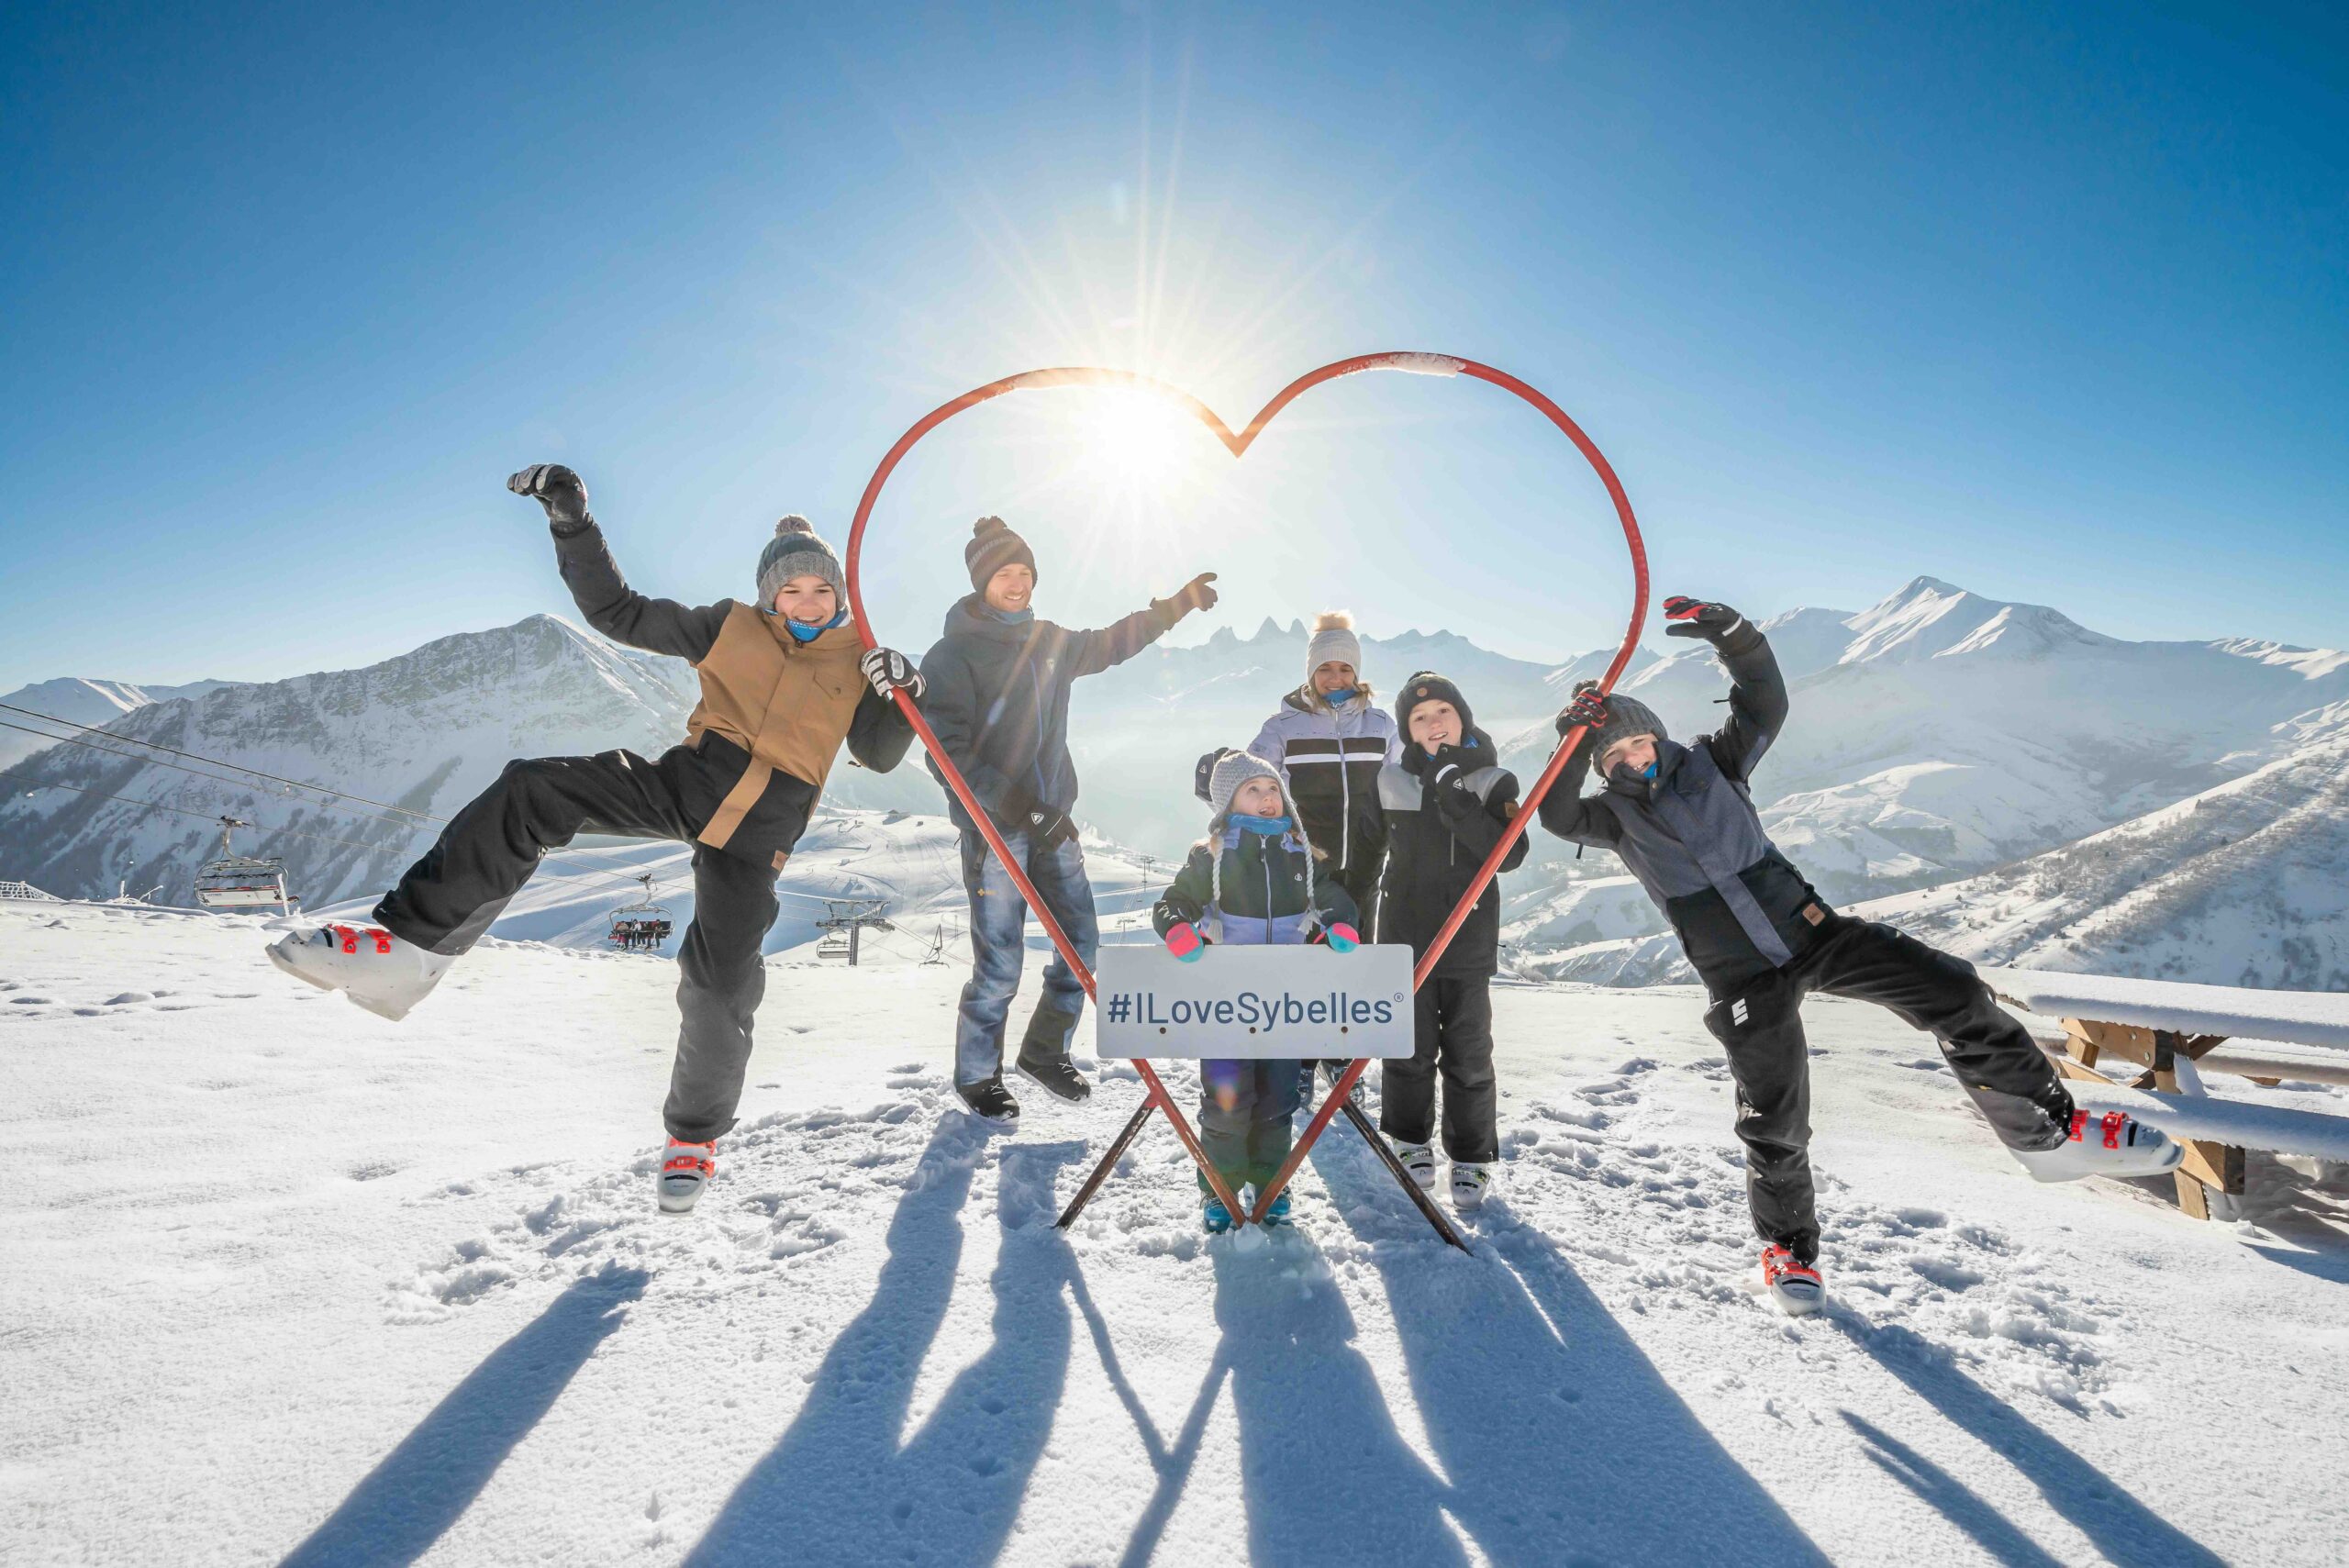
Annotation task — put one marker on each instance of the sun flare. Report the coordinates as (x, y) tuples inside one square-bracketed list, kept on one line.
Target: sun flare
[(1140, 438)]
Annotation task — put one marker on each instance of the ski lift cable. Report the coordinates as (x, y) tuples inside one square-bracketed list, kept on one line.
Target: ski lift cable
[(210, 817), (216, 762)]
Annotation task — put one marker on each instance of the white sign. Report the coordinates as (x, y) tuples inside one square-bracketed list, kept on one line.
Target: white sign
[(1255, 1003)]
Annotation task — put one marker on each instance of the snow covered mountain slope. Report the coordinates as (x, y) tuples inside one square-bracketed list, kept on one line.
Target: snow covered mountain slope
[(83, 701), (424, 731), (2245, 885), (315, 1288), (1935, 736)]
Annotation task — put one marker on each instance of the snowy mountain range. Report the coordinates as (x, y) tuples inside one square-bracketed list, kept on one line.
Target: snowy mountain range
[(2158, 808)]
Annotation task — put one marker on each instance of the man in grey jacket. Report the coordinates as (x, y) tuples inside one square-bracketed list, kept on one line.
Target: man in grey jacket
[(1762, 938)]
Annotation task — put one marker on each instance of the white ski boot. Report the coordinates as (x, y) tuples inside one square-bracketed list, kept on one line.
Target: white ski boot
[(1794, 1285), (686, 1173), (1469, 1185), (1419, 1163), (375, 969), (2112, 1144)]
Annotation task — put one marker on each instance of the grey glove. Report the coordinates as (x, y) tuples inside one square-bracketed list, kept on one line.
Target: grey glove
[(890, 671), (559, 490)]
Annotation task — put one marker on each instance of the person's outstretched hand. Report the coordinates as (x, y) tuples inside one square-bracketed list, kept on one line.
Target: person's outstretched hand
[(1198, 594), (556, 487), (1697, 617)]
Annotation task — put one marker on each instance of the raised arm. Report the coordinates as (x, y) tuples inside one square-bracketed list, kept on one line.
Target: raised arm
[(1757, 692), (1090, 652), (603, 596)]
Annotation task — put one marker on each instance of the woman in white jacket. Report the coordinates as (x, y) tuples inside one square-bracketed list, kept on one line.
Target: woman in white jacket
[(1330, 737)]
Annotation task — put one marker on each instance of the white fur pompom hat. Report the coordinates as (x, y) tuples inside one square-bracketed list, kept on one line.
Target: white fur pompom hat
[(1333, 638)]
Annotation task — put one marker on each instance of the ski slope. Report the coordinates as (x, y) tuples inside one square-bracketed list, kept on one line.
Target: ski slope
[(289, 1283)]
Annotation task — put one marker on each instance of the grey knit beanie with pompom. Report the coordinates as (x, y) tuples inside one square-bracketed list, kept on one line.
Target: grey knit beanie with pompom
[(795, 551)]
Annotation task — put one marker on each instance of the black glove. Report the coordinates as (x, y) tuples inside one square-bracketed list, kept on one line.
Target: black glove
[(557, 489), (1198, 594), (890, 671), (1049, 826), (1450, 764), (1587, 711), (1695, 617)]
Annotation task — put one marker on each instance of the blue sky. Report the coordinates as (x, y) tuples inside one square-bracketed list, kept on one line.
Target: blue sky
[(2048, 302)]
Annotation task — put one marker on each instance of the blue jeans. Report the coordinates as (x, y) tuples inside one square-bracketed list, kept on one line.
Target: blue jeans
[(998, 945)]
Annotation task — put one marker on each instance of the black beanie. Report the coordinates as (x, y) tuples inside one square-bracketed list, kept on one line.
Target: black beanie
[(994, 547), (1429, 686)]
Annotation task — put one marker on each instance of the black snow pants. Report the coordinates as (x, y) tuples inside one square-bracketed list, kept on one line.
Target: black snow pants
[(2011, 1080), (448, 899), (1453, 1034)]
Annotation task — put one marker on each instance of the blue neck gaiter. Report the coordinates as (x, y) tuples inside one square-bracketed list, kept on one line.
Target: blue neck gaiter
[(1009, 617), (1269, 827), (1339, 699), (802, 633)]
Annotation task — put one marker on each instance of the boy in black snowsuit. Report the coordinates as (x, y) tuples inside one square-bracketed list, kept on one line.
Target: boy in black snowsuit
[(1447, 803), (999, 684), (1762, 938)]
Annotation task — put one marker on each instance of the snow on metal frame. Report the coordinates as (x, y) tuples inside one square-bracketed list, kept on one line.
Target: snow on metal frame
[(2300, 1018)]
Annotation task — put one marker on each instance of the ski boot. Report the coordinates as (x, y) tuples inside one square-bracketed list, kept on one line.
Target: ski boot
[(1213, 1215), (1794, 1285), (2113, 1144), (1334, 1071), (1278, 1213), (1469, 1185), (384, 974), (686, 1173), (990, 1101), (1419, 1163)]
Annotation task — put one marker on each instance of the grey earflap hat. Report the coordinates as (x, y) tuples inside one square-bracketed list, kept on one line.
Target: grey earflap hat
[(795, 551), (1231, 770)]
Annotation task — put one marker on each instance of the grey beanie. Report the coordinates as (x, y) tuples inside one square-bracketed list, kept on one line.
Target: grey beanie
[(1333, 638), (1626, 716), (795, 551), (1233, 769)]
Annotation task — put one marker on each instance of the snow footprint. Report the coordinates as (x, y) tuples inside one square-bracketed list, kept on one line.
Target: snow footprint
[(786, 1186)]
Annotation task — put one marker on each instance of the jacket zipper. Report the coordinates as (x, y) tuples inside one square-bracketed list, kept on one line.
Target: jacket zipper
[(1345, 798)]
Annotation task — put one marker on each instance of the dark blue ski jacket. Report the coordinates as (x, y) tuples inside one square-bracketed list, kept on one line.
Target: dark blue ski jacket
[(997, 697)]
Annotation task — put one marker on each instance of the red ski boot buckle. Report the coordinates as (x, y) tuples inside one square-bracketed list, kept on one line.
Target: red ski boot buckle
[(2113, 1122)]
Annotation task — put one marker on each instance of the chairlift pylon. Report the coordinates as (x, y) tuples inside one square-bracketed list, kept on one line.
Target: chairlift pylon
[(233, 881), (643, 925)]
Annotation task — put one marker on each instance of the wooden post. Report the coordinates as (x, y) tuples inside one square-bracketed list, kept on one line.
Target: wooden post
[(2210, 1167)]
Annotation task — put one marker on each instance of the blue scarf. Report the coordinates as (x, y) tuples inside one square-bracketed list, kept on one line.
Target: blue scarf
[(1009, 617), (1339, 699), (1267, 825), (802, 633)]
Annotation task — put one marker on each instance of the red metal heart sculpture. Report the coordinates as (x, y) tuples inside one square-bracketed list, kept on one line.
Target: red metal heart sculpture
[(1412, 363)]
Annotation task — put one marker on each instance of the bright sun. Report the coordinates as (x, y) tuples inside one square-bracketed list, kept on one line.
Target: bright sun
[(1137, 437)]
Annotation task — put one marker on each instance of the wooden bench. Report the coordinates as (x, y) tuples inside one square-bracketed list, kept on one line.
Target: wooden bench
[(2171, 1033)]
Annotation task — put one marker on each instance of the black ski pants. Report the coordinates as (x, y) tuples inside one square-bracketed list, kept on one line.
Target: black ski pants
[(1452, 1036), (448, 899), (2010, 1078)]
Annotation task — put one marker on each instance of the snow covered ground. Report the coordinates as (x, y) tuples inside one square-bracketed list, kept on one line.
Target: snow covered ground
[(288, 1283)]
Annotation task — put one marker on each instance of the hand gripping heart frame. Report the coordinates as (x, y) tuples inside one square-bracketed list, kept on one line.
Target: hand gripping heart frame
[(1157, 1097)]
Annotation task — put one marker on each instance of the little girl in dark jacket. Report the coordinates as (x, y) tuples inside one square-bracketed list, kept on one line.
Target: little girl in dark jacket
[(1254, 879)]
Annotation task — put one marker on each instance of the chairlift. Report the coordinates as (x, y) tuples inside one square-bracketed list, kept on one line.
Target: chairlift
[(642, 926), (241, 881), (834, 944)]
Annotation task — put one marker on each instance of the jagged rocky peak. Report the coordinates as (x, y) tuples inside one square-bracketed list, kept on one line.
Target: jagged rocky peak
[(1930, 618)]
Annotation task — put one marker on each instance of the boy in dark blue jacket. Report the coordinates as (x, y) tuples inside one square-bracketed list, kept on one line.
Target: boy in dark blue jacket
[(998, 684)]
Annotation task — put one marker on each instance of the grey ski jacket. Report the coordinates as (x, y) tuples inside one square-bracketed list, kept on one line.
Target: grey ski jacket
[(1692, 836)]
